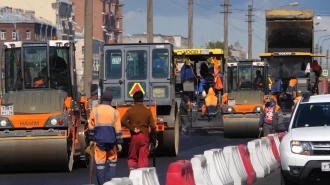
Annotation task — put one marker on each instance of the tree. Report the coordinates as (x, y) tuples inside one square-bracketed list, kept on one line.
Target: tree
[(217, 44)]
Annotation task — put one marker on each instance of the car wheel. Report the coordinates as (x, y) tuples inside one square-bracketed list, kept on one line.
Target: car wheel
[(285, 181)]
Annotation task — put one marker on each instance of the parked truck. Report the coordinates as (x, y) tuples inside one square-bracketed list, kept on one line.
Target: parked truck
[(289, 42)]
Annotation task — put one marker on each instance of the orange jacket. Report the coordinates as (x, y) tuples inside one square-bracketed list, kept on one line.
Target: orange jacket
[(105, 125)]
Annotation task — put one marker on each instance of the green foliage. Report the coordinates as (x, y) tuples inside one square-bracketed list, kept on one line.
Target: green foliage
[(216, 45)]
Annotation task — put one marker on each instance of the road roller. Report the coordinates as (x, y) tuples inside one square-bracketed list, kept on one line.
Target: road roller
[(193, 65), (43, 116), (242, 102), (146, 67)]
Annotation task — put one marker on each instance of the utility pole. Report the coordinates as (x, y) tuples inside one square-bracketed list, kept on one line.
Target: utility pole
[(250, 9), (88, 44), (327, 57), (190, 23), (225, 26), (320, 57), (150, 23), (225, 32)]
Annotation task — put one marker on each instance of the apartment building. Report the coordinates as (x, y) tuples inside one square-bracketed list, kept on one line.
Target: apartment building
[(57, 12), (107, 22)]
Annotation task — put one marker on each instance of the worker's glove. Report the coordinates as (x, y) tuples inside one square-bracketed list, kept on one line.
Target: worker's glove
[(119, 148), (91, 143), (260, 128)]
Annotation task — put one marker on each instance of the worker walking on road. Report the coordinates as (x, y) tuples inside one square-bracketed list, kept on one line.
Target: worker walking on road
[(105, 133), (184, 106), (138, 120), (270, 116)]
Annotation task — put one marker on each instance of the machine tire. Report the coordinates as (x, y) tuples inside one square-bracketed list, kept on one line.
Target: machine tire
[(169, 140), (83, 158)]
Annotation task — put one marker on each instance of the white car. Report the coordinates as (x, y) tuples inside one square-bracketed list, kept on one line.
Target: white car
[(305, 149)]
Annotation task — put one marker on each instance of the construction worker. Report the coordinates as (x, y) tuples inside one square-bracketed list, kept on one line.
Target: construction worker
[(105, 133), (138, 120), (184, 106), (258, 80), (270, 116), (211, 103)]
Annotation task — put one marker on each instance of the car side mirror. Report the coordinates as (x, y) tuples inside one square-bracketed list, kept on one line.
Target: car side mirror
[(282, 127)]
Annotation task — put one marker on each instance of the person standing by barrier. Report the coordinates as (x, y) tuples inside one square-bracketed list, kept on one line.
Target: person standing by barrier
[(138, 120), (104, 133), (270, 116)]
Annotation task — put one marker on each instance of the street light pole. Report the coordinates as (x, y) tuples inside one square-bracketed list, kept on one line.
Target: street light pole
[(291, 4)]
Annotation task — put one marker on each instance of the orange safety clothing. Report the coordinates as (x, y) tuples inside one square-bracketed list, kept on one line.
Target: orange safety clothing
[(105, 130), (217, 80), (292, 87), (211, 102)]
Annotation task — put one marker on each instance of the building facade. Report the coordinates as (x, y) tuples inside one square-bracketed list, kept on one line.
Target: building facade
[(237, 50), (17, 24), (97, 57), (177, 40), (57, 12), (108, 19)]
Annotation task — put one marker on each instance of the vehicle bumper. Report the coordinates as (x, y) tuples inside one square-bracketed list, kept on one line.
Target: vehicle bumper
[(308, 174)]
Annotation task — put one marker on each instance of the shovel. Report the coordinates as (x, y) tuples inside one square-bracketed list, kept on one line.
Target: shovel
[(91, 166)]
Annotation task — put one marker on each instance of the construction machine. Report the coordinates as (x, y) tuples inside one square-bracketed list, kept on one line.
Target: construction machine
[(146, 67), (43, 116), (289, 48), (196, 59), (243, 99)]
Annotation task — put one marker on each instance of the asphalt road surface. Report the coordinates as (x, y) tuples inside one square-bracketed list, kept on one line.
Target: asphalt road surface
[(197, 143)]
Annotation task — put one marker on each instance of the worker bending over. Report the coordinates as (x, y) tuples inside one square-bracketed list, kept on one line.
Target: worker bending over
[(271, 116), (105, 132), (211, 103), (138, 120)]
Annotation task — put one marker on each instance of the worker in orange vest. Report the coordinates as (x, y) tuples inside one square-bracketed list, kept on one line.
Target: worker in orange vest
[(271, 116), (105, 136)]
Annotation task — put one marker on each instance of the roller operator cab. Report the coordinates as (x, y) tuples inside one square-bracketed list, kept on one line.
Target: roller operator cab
[(43, 117), (195, 73), (149, 68), (243, 100), (286, 68)]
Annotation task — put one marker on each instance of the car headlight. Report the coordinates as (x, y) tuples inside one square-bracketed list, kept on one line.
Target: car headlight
[(230, 109), (160, 119), (3, 123), (301, 147), (53, 121), (258, 109)]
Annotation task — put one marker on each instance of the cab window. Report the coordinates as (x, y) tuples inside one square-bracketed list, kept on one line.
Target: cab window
[(160, 63), (245, 77), (232, 79), (136, 62), (113, 64), (312, 115)]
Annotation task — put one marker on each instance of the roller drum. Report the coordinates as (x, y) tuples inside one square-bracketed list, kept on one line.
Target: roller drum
[(34, 154), (241, 127)]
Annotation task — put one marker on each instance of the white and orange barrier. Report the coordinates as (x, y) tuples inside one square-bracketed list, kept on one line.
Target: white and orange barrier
[(268, 153), (201, 175), (119, 181), (144, 176), (217, 168), (235, 165), (257, 159)]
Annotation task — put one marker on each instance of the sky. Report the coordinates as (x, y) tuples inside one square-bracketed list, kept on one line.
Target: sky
[(171, 18)]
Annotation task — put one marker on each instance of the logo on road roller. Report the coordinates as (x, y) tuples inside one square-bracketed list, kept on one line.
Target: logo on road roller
[(29, 123)]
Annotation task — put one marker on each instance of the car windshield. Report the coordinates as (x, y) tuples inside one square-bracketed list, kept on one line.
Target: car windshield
[(312, 115)]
